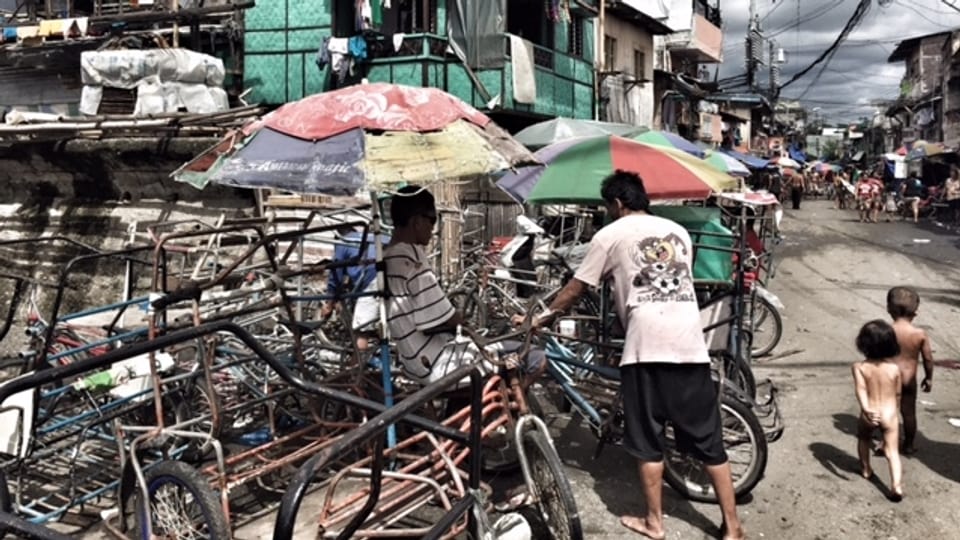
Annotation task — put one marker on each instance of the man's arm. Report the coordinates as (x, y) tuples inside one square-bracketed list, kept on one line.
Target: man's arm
[(927, 354), (565, 300)]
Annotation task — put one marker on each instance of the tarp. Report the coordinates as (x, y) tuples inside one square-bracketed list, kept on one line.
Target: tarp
[(797, 155), (748, 160), (713, 258), (476, 31)]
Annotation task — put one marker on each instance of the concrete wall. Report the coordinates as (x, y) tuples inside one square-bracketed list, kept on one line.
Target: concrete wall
[(92, 191), (639, 97)]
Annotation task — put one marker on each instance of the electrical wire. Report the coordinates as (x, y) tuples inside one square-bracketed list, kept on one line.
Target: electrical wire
[(863, 7), (815, 14), (773, 9), (922, 16)]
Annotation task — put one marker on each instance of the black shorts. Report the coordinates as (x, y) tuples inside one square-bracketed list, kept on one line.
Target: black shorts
[(681, 394)]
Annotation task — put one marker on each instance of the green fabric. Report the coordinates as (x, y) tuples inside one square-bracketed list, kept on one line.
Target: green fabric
[(574, 177), (376, 12), (708, 264), (716, 161)]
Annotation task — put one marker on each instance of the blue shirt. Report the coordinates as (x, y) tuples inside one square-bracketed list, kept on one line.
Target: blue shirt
[(361, 276)]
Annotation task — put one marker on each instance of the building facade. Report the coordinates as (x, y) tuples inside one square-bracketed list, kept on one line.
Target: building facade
[(525, 60), (626, 58), (918, 112)]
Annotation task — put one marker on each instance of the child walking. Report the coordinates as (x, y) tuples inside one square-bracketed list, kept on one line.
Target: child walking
[(877, 382), (902, 305)]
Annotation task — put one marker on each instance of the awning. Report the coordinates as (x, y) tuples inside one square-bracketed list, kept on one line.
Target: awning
[(748, 160)]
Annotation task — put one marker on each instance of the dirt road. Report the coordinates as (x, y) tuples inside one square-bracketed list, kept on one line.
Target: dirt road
[(833, 276)]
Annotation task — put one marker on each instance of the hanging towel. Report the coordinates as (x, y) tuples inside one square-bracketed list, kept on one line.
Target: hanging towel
[(357, 48), (376, 13), (521, 60), (398, 41), (323, 54)]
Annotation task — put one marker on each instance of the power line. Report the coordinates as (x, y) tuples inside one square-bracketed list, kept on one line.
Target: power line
[(773, 9), (922, 16), (863, 7), (815, 14)]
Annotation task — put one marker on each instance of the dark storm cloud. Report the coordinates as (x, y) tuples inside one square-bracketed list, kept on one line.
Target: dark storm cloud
[(859, 73)]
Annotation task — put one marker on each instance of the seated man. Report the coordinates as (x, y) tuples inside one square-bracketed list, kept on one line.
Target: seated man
[(421, 319)]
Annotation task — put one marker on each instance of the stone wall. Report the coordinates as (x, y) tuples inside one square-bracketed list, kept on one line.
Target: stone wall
[(92, 192)]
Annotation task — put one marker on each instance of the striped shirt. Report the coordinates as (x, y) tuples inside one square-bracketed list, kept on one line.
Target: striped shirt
[(416, 303)]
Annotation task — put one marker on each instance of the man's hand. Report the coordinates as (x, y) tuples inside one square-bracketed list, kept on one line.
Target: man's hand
[(927, 384)]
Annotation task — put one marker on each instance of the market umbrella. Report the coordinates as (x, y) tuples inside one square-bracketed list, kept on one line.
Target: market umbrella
[(669, 140), (359, 138), (574, 172), (728, 164), (562, 129)]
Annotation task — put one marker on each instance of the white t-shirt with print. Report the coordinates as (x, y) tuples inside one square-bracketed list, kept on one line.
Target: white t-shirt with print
[(649, 261)]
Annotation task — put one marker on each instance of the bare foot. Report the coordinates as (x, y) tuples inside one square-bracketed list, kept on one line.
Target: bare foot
[(736, 534), (896, 494), (640, 526), (866, 472)]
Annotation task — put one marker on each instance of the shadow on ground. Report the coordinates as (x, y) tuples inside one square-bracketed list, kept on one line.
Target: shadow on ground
[(617, 482), (938, 456)]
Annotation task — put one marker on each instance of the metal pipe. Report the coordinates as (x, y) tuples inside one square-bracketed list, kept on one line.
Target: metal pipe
[(293, 497)]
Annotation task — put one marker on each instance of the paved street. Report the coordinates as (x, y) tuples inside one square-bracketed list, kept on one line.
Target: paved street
[(833, 276)]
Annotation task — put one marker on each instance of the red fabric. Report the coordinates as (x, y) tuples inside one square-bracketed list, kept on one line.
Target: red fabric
[(375, 107), (663, 177), (902, 151)]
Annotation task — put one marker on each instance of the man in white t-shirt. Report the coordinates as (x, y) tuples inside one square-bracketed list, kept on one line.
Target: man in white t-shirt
[(665, 368), (421, 318)]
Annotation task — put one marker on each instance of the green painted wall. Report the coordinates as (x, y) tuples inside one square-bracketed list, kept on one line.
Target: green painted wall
[(282, 38), (280, 46)]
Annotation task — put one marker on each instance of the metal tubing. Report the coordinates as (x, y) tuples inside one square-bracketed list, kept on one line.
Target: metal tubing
[(293, 497), (448, 520), (376, 475), (36, 379), (11, 523)]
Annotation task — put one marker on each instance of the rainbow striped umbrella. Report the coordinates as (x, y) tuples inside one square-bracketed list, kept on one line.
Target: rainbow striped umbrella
[(728, 164), (668, 140), (574, 174)]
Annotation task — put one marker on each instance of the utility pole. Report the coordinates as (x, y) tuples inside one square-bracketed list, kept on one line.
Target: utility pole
[(754, 46), (774, 64)]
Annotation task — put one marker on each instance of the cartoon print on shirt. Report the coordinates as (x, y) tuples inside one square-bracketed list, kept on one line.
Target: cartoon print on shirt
[(661, 275)]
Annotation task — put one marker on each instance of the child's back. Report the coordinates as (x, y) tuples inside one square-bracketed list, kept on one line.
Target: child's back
[(877, 381), (912, 341), (902, 305), (881, 380)]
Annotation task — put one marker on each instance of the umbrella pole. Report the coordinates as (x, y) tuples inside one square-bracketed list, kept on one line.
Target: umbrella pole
[(385, 360)]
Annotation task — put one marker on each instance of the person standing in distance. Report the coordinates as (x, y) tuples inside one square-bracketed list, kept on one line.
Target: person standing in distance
[(665, 367)]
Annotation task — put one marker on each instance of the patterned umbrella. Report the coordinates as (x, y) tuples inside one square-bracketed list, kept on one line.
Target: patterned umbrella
[(359, 138), (728, 164), (575, 169), (669, 140)]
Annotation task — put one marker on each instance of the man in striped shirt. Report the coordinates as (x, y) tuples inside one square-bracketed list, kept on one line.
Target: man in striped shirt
[(422, 320)]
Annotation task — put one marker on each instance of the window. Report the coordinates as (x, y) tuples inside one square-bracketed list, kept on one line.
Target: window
[(609, 53), (639, 65), (575, 36), (525, 19)]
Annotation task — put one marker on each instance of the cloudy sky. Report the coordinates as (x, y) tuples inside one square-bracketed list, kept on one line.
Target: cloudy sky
[(858, 73)]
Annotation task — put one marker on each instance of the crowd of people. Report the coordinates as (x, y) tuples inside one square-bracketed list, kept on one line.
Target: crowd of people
[(871, 192)]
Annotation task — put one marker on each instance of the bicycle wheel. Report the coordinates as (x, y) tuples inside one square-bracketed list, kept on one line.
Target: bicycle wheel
[(741, 375), (766, 327), (746, 447), (182, 505), (554, 495)]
